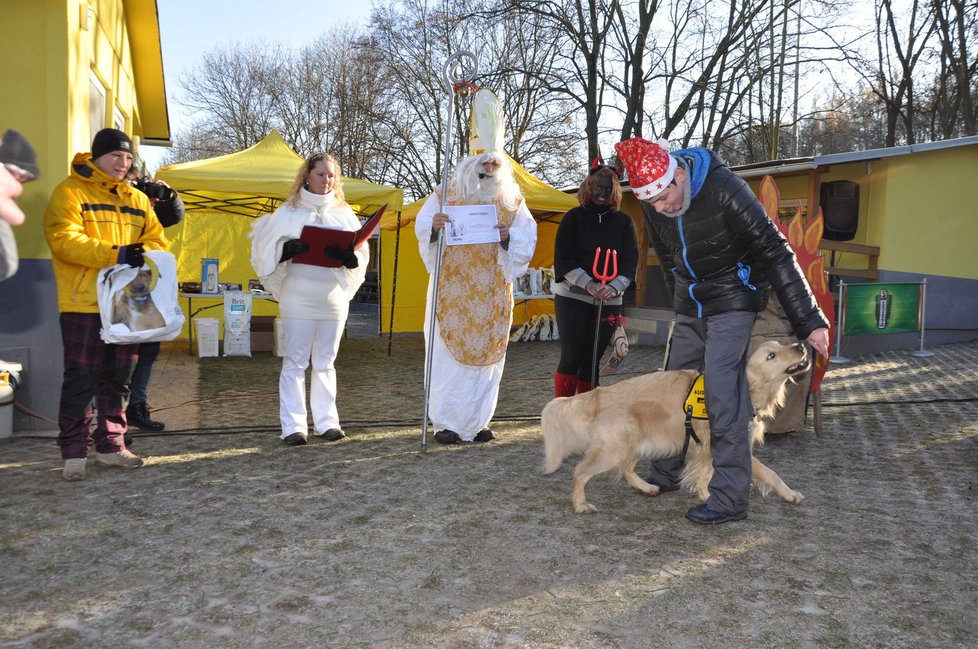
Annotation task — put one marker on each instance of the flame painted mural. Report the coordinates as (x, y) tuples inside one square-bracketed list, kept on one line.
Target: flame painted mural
[(804, 239)]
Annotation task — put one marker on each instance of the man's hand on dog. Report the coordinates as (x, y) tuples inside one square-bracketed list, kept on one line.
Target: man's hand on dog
[(293, 247), (131, 254), (345, 256), (819, 340)]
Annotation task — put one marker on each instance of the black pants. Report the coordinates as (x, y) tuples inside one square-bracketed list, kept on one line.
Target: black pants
[(576, 323)]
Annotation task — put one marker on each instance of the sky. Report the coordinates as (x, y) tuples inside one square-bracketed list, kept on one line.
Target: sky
[(189, 28)]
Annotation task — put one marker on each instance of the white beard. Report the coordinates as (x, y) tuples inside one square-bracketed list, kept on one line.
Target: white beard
[(488, 192)]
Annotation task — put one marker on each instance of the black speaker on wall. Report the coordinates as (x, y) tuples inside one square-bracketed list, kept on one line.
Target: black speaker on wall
[(840, 209)]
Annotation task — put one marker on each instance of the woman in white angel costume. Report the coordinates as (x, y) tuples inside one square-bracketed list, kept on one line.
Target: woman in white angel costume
[(314, 300), (475, 297)]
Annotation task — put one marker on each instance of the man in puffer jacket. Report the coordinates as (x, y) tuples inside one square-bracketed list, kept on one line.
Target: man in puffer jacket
[(721, 256), (93, 220)]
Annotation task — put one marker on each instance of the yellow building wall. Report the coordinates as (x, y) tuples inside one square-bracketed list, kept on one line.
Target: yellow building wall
[(46, 89), (34, 86), (915, 208), (929, 204)]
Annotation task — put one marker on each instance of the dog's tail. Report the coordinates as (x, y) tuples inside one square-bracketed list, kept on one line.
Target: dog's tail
[(564, 428)]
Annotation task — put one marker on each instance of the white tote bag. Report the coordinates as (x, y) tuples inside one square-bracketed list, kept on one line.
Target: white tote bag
[(140, 305)]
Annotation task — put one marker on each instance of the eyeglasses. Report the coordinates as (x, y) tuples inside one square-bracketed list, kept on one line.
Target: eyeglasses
[(20, 174)]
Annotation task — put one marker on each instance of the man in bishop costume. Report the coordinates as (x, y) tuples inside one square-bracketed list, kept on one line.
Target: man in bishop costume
[(475, 297)]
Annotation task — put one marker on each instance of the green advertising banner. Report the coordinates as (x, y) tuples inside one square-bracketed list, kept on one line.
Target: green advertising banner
[(881, 309)]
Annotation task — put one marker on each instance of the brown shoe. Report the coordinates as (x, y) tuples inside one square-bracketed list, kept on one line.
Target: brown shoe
[(124, 459)]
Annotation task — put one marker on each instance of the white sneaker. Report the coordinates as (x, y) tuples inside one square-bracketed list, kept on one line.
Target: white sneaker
[(124, 459), (74, 469)]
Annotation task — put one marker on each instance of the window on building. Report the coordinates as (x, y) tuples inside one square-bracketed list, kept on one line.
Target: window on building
[(118, 119), (96, 106)]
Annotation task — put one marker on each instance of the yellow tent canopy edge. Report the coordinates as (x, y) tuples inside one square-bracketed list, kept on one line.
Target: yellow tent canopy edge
[(252, 182)]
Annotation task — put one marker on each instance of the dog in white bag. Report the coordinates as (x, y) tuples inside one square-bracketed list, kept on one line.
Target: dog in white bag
[(140, 304)]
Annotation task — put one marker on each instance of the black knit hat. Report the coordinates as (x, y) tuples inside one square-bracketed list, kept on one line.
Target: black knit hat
[(108, 140), (16, 150)]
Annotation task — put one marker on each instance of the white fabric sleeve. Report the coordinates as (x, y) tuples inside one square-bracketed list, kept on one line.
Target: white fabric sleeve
[(522, 242)]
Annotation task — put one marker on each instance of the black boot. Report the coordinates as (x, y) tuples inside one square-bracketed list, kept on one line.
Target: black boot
[(138, 417)]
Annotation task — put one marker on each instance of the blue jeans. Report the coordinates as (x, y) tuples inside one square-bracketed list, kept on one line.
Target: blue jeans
[(140, 376)]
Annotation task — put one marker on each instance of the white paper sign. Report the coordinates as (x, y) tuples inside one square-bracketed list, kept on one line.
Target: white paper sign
[(471, 224)]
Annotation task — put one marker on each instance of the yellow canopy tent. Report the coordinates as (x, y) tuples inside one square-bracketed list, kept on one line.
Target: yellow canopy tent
[(223, 195), (547, 205)]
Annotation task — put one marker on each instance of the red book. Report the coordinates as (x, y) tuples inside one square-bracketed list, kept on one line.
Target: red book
[(318, 239)]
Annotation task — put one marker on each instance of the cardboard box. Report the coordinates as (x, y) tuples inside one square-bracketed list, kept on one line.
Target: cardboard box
[(262, 341), (263, 333), (209, 269)]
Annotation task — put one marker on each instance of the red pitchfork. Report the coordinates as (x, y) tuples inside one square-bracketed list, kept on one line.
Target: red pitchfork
[(610, 255)]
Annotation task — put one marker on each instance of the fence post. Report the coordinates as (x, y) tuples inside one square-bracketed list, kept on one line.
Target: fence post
[(923, 353), (838, 358)]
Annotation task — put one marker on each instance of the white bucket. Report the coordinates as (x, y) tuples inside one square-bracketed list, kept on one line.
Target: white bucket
[(207, 336), (7, 398)]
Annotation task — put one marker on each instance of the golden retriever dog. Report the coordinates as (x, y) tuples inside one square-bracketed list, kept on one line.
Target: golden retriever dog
[(133, 306), (617, 426)]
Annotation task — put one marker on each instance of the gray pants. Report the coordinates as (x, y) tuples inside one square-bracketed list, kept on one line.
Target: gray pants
[(717, 346)]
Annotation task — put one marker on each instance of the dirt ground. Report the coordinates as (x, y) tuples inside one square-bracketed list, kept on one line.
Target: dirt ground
[(229, 538)]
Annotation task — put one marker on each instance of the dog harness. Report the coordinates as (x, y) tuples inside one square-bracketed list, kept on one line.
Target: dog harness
[(694, 408)]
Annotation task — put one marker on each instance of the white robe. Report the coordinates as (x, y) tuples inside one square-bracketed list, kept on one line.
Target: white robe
[(313, 302), (463, 397)]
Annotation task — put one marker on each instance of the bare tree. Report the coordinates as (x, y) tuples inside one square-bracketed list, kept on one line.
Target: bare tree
[(542, 130), (632, 41), (578, 73), (901, 39), (955, 89), (231, 89), (414, 43)]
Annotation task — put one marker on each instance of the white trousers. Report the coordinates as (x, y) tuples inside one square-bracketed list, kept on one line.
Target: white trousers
[(320, 341), (463, 397)]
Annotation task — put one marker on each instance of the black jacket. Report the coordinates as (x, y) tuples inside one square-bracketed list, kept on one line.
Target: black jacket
[(725, 254), (581, 231), (170, 211)]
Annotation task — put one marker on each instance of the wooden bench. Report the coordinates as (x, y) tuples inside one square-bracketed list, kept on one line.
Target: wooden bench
[(872, 253)]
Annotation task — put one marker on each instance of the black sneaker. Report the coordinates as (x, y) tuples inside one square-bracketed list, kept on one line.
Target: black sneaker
[(447, 437), (332, 435), (484, 435), (705, 515), (295, 439), (137, 415)]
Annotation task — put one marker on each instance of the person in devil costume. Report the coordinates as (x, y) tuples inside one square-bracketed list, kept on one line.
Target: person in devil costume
[(597, 223)]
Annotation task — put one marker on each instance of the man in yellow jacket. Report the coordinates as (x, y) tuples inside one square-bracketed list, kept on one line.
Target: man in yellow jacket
[(96, 219)]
